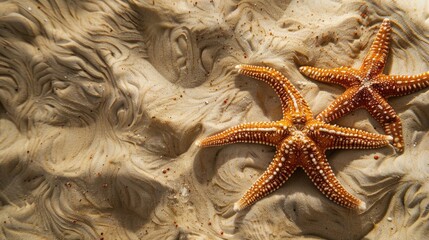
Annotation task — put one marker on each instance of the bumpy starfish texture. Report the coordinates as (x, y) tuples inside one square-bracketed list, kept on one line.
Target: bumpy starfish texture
[(368, 87), (300, 141)]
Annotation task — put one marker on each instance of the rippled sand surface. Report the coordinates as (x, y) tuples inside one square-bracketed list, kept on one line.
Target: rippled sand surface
[(101, 103)]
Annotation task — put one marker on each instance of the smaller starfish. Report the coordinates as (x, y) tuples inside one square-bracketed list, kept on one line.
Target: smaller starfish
[(368, 87), (300, 140)]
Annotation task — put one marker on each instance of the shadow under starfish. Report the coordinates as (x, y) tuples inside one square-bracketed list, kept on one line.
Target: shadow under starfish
[(368, 87), (300, 141)]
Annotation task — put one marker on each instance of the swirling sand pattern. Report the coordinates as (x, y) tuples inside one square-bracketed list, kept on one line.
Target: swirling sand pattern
[(101, 101)]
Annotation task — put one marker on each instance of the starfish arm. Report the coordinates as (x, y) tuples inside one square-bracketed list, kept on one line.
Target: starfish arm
[(268, 133), (334, 137), (291, 100), (279, 170), (317, 168), (343, 76), (399, 85), (375, 60), (380, 109), (341, 106)]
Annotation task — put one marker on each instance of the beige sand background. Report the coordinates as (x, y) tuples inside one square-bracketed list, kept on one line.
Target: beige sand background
[(101, 102)]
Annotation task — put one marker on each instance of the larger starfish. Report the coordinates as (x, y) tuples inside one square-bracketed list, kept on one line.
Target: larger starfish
[(368, 87), (300, 140)]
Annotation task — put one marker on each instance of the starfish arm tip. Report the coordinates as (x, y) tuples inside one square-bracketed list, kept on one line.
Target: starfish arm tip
[(237, 207), (362, 206), (386, 22), (238, 66), (389, 138), (198, 143)]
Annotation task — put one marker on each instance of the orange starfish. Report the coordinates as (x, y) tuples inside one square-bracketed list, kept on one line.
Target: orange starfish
[(368, 87), (300, 140)]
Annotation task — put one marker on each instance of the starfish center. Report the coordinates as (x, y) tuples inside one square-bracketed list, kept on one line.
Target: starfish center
[(366, 84), (298, 134)]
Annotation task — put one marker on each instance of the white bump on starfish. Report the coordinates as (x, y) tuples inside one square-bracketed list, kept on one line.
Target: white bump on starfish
[(237, 207), (362, 206)]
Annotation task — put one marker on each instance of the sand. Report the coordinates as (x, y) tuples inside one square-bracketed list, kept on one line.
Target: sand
[(101, 103)]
